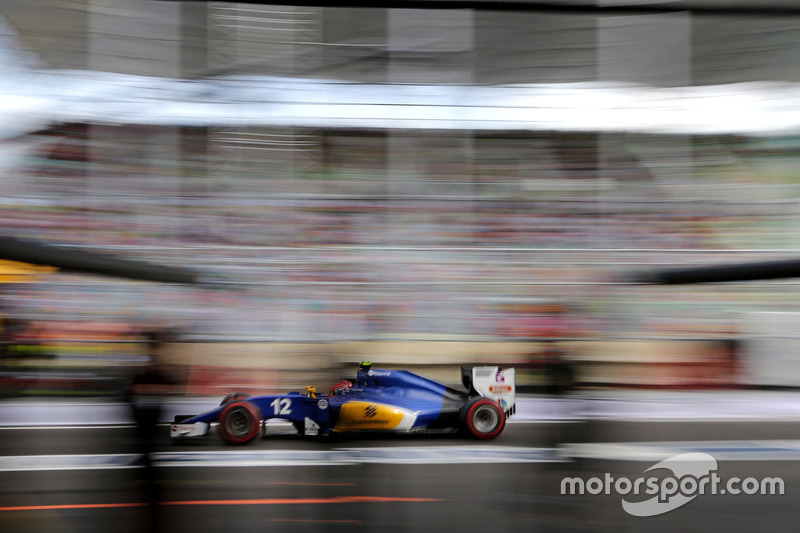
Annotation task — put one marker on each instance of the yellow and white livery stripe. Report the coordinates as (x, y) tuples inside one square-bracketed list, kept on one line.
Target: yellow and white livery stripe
[(356, 416)]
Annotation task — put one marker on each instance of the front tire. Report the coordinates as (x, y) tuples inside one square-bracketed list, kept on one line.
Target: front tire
[(239, 422), (233, 396), (483, 418)]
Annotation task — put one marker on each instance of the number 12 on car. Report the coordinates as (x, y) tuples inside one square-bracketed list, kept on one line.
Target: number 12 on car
[(281, 406)]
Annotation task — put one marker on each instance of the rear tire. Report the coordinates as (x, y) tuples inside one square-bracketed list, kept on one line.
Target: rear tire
[(483, 418), (240, 422)]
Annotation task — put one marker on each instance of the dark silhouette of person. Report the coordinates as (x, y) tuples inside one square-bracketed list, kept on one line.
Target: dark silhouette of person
[(559, 374), (145, 393)]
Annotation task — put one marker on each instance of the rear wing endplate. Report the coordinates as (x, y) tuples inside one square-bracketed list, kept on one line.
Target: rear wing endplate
[(492, 382)]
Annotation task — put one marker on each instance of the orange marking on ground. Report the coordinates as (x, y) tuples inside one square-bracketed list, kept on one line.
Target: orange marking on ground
[(295, 501), (71, 506), (260, 501), (310, 484), (316, 521)]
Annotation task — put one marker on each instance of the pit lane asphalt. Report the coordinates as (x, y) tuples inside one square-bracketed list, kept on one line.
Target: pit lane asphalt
[(402, 496), (386, 496)]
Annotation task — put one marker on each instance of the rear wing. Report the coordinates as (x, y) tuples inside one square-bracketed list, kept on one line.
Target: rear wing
[(492, 382)]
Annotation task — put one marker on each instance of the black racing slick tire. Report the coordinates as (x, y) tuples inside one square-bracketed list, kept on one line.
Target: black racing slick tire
[(483, 418), (240, 422), (233, 396)]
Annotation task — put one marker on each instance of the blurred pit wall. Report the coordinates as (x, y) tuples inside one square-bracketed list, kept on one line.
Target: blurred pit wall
[(211, 369)]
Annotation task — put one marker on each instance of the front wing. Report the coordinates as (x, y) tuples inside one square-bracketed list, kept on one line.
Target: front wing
[(308, 413)]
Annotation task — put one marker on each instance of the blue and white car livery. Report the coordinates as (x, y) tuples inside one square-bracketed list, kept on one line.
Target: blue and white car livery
[(379, 400)]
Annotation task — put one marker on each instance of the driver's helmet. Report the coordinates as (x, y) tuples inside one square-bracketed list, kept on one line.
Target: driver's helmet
[(340, 387)]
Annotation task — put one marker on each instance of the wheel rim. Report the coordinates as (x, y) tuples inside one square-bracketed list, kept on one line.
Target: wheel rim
[(485, 419), (238, 423)]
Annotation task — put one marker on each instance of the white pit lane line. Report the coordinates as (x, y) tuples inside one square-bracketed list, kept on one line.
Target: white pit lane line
[(269, 458), (766, 450), (762, 450), (37, 428), (33, 463)]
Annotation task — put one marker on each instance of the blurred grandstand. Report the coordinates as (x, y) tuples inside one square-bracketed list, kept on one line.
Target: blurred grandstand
[(342, 233)]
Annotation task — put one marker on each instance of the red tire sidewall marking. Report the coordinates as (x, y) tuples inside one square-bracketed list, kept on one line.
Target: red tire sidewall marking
[(251, 435), (234, 397), (499, 412)]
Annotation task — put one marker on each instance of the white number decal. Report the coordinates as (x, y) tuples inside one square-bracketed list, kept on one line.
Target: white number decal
[(281, 406)]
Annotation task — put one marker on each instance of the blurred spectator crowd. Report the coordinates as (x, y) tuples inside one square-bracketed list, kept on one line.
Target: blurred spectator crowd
[(361, 235)]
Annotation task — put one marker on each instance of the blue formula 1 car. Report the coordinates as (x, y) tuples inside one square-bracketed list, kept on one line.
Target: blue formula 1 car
[(379, 400)]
